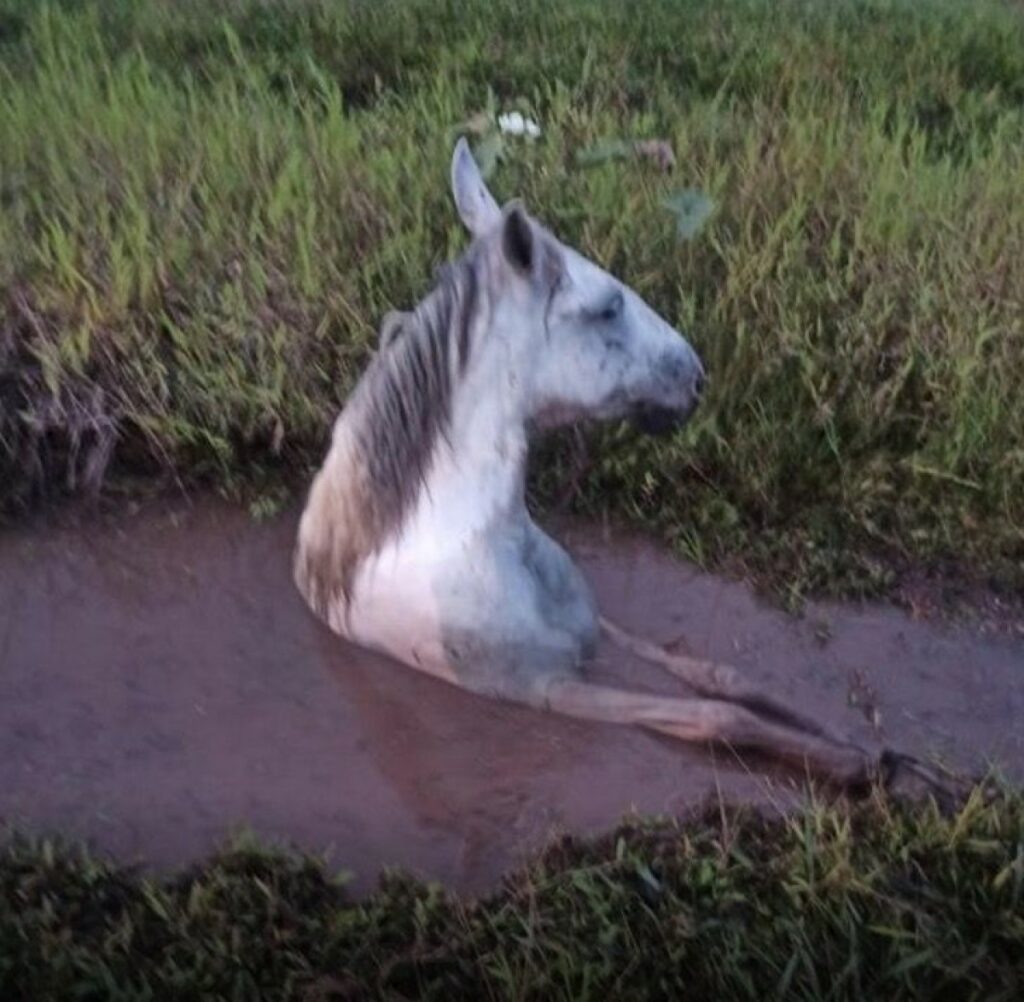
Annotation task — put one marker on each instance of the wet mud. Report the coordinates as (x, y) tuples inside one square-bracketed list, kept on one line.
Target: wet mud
[(162, 685)]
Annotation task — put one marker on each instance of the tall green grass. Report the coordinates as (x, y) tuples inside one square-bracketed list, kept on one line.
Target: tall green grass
[(841, 903), (205, 209)]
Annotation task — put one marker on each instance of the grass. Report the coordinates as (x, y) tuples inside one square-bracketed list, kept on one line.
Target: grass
[(206, 208), (838, 903)]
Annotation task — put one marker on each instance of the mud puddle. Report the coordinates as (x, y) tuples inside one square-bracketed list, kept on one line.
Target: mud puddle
[(161, 684)]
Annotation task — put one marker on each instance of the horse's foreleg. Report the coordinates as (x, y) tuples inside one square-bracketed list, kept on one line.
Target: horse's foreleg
[(725, 685), (717, 681), (705, 720)]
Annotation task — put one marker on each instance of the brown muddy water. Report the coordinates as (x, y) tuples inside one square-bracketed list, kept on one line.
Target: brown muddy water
[(162, 685)]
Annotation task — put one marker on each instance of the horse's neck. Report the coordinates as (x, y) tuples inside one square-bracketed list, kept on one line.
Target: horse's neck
[(476, 483)]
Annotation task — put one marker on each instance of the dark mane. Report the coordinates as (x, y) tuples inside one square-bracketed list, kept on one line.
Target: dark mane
[(399, 411), (407, 392)]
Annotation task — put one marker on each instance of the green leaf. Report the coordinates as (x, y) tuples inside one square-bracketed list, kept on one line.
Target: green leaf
[(477, 124), (692, 209), (490, 150), (604, 150)]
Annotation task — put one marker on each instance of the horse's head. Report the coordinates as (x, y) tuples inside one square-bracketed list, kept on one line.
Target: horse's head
[(582, 343)]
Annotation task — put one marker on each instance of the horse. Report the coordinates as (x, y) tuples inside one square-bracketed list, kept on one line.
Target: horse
[(416, 540)]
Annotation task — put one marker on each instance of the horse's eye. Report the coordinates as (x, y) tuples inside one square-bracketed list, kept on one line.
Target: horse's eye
[(612, 310)]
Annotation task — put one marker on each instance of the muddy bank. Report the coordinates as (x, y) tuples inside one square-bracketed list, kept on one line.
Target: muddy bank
[(161, 683)]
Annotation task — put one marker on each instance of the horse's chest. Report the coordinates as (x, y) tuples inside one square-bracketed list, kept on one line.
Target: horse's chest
[(494, 593)]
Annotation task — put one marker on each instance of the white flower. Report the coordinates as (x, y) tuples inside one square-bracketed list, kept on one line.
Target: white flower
[(512, 123), (515, 125)]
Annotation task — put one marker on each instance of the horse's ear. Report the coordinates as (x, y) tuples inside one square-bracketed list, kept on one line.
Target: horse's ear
[(518, 240), (477, 207), (525, 248)]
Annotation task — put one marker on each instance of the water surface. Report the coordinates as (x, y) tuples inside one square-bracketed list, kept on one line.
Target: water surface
[(161, 683)]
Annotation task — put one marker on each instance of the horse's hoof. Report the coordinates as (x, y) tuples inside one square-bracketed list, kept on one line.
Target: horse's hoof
[(909, 779)]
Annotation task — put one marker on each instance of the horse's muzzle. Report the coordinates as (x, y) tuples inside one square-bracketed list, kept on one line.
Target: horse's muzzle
[(653, 419), (682, 380)]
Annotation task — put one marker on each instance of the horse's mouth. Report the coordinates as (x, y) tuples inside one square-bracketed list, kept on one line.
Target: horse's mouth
[(653, 419)]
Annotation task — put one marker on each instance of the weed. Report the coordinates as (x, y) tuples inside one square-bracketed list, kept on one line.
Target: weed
[(845, 902), (205, 210)]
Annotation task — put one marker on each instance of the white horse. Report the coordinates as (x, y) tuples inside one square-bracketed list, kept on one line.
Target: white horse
[(416, 539)]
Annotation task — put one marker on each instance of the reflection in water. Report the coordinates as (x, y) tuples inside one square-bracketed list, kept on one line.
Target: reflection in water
[(161, 682)]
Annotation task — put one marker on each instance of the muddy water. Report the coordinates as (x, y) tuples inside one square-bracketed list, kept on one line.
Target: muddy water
[(161, 684)]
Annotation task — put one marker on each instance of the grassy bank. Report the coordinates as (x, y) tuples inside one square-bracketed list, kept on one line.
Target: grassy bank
[(205, 209), (839, 904)]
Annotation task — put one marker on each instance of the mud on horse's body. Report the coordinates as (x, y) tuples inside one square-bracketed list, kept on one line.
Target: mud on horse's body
[(416, 539)]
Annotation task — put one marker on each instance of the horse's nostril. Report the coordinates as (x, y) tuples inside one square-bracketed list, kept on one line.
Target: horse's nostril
[(698, 383)]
